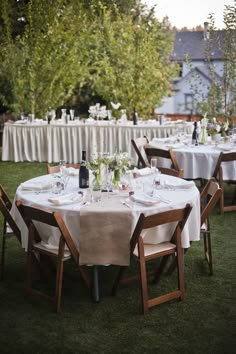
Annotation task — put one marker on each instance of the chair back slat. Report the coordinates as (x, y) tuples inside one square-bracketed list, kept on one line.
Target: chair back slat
[(146, 222), (164, 154), (138, 145), (210, 195), (5, 207)]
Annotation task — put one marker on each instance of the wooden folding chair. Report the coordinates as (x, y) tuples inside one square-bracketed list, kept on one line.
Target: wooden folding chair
[(138, 145), (225, 158), (144, 252), (56, 168), (35, 247), (9, 226), (210, 195), (163, 154)]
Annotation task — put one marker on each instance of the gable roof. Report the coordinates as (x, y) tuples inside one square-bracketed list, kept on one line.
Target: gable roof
[(203, 71), (193, 44)]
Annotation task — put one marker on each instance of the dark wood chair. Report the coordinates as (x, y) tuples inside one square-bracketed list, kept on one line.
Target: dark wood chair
[(9, 226), (36, 248), (142, 253), (171, 172), (225, 158), (210, 195), (166, 155), (56, 168), (138, 145)]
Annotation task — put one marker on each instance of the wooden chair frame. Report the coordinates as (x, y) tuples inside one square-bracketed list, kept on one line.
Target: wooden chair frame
[(9, 226), (56, 168), (210, 195), (164, 154), (218, 175), (165, 249), (137, 144), (30, 215)]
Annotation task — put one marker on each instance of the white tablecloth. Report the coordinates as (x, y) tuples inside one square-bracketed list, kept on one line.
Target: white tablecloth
[(51, 143), (200, 161), (112, 220)]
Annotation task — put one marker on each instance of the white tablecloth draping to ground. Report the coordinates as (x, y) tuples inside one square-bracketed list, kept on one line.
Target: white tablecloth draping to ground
[(54, 142), (102, 230), (199, 161)]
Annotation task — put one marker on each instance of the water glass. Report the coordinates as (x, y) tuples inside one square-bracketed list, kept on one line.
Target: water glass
[(96, 192)]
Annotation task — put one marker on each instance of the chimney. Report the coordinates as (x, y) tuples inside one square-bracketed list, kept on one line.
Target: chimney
[(206, 32)]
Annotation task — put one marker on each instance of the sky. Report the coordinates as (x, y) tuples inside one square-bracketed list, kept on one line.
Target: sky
[(190, 13)]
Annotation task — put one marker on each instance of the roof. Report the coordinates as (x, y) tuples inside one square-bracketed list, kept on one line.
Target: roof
[(193, 44)]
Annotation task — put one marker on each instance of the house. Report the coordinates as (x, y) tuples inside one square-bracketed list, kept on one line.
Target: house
[(194, 79)]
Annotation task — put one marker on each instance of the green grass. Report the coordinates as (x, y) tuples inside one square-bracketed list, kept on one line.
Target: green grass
[(203, 323)]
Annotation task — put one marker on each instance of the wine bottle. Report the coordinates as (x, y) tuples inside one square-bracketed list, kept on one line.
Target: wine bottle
[(195, 134), (135, 117), (83, 173)]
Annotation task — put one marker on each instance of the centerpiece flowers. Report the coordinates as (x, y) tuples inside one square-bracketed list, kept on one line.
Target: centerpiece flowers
[(116, 163), (215, 126)]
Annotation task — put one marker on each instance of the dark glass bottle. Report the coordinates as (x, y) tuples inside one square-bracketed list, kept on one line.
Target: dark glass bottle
[(135, 117), (83, 173), (195, 134)]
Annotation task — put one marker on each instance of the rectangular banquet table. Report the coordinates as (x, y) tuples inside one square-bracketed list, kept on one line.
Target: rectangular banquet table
[(50, 143)]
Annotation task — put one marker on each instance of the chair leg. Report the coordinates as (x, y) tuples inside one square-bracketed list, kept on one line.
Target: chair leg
[(160, 269), (3, 256), (59, 276), (144, 292), (207, 250), (180, 266), (118, 280)]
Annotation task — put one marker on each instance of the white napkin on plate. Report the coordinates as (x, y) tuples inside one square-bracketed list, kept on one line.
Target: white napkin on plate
[(143, 171), (143, 198), (182, 185), (36, 186), (66, 199)]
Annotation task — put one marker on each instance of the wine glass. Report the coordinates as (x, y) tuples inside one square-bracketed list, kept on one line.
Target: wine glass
[(154, 164), (62, 164)]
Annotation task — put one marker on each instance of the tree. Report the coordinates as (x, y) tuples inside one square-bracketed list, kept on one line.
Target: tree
[(44, 63), (133, 65), (222, 94)]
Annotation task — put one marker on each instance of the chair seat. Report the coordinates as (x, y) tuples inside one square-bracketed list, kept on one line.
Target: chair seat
[(156, 248), (54, 251)]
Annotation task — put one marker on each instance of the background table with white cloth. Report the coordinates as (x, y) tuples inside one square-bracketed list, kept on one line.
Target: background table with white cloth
[(199, 161), (102, 230), (39, 141)]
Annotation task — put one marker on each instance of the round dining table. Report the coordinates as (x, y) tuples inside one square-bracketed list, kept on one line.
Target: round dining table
[(102, 230), (197, 161)]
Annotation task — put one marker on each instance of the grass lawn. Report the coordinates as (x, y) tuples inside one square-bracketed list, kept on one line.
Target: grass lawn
[(203, 323)]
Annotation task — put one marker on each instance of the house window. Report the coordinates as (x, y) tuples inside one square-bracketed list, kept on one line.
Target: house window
[(188, 102), (180, 67)]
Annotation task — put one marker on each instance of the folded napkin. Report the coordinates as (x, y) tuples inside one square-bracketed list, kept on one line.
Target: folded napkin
[(182, 185), (143, 171), (22, 121), (36, 186), (72, 171), (66, 199), (144, 199)]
